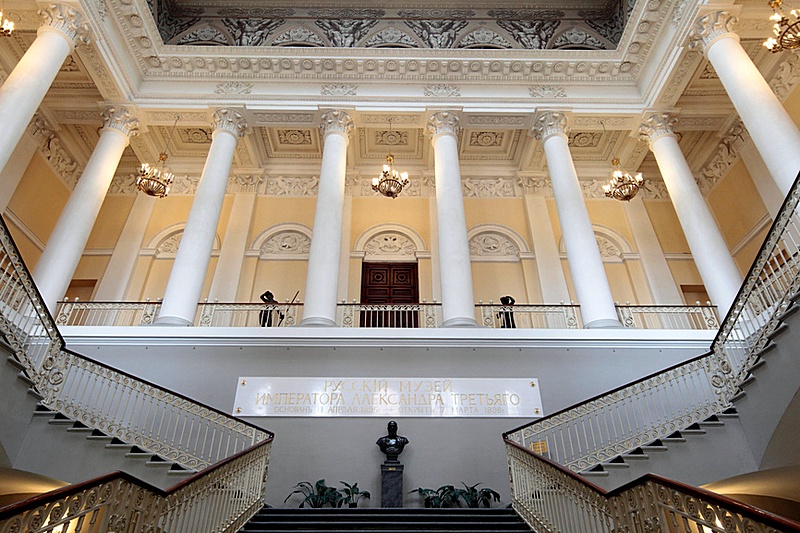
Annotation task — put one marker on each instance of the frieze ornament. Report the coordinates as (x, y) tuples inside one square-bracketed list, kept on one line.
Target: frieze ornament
[(229, 120), (655, 126), (68, 21), (391, 36), (245, 183), (339, 89), (294, 137), (487, 188), (437, 33), (787, 75), (336, 121), (549, 124), (724, 157), (442, 90), (233, 87), (281, 186), (443, 122), (122, 119), (547, 91), (710, 27)]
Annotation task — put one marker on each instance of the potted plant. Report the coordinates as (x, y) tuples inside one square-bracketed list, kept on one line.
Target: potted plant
[(474, 497), (317, 495), (444, 496), (351, 494)]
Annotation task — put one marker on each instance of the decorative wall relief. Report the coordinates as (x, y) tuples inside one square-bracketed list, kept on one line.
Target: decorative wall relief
[(54, 153), (487, 188), (251, 31), (285, 243), (547, 91), (345, 32), (437, 33), (531, 34), (484, 38), (233, 87), (184, 185), (574, 38), (390, 244), (786, 76), (194, 135), (724, 157), (339, 89), (391, 138), (493, 245), (298, 35), (281, 186), (441, 89), (583, 139), (169, 246), (486, 138), (391, 36), (608, 249), (204, 36)]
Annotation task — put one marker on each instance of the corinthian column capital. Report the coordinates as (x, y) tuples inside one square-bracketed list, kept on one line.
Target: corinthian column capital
[(229, 120), (441, 123), (712, 27), (548, 124), (655, 126), (336, 121), (122, 119), (66, 20)]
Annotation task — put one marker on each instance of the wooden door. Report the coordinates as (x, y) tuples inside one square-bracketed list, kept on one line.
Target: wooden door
[(389, 284)]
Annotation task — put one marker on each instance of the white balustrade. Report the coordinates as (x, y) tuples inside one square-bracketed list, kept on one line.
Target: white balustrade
[(561, 316), (668, 316), (174, 427), (544, 454), (356, 315), (241, 315)]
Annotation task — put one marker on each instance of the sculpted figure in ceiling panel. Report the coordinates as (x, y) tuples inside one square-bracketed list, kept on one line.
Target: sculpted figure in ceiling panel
[(345, 32), (299, 36), (205, 36), (484, 38), (391, 37)]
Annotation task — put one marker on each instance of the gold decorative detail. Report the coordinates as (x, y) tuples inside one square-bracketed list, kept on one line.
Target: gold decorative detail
[(156, 181), (622, 186), (786, 30), (390, 182)]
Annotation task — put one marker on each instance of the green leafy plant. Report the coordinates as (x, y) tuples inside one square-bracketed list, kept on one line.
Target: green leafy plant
[(444, 496), (474, 497), (351, 494), (317, 495)]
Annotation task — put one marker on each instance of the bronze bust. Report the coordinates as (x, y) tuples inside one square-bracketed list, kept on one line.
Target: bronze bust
[(392, 444)]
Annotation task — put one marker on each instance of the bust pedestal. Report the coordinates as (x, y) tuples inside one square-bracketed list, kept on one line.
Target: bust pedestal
[(391, 484)]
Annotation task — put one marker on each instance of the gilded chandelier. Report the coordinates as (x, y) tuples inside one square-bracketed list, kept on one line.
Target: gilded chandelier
[(6, 26), (622, 186), (786, 29), (157, 180), (390, 182)]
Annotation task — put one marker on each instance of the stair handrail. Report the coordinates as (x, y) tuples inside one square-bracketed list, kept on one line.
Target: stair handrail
[(551, 498), (118, 501), (586, 434), (157, 420)]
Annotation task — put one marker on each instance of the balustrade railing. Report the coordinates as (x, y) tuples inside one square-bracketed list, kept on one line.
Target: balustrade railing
[(584, 435), (668, 316), (561, 316), (242, 315), (140, 413), (553, 499), (76, 313), (356, 315)]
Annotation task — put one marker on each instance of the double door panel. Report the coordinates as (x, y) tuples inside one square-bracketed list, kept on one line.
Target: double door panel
[(390, 284)]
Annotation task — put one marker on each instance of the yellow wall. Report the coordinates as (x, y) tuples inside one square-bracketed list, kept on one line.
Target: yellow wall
[(736, 204), (491, 280), (370, 212)]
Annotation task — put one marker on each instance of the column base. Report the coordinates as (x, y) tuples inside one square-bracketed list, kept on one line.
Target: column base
[(460, 322), (318, 322), (171, 321), (603, 323)]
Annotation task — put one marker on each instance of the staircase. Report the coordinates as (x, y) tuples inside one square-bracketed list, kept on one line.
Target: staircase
[(271, 520)]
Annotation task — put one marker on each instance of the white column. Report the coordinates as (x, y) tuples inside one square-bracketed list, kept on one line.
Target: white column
[(586, 265), (770, 126), (65, 245), (120, 267), (16, 167), (322, 281), (344, 258), (231, 257), (188, 273), (663, 288), (767, 188), (710, 253), (62, 28), (458, 300), (551, 275)]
